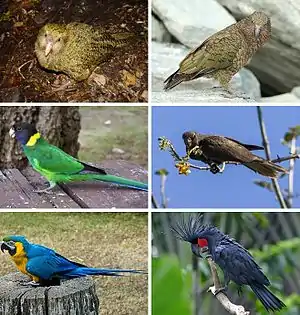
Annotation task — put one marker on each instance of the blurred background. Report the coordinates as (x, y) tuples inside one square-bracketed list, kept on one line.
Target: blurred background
[(180, 280), (237, 186)]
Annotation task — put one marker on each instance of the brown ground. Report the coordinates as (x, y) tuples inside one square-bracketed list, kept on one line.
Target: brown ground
[(123, 78), (95, 239)]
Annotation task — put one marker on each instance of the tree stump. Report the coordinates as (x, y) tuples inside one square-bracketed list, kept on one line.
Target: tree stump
[(72, 297)]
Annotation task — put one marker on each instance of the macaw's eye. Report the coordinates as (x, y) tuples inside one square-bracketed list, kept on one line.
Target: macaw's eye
[(18, 128)]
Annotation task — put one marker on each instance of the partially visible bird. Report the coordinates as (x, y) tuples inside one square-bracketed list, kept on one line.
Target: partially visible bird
[(59, 167), (76, 48), (237, 264), (224, 53), (46, 267), (215, 150)]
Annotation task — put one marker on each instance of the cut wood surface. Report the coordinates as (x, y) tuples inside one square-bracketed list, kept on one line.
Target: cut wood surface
[(76, 296), (17, 190)]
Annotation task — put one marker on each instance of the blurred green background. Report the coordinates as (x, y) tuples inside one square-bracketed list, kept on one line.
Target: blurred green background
[(180, 280)]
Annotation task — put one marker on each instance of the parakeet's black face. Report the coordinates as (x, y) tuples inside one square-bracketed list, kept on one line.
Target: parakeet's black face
[(22, 131)]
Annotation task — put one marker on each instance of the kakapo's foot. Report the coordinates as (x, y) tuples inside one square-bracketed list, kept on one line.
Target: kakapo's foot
[(63, 83), (47, 190)]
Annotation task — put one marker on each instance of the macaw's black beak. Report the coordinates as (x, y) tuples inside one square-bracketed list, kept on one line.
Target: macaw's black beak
[(9, 246)]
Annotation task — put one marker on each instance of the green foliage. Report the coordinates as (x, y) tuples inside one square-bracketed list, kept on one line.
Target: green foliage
[(293, 132), (170, 287)]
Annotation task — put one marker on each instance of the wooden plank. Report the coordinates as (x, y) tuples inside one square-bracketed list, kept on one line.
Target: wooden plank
[(98, 194), (76, 296)]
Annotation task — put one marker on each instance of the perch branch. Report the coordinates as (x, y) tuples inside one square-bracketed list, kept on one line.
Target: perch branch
[(266, 145), (291, 174), (221, 297)]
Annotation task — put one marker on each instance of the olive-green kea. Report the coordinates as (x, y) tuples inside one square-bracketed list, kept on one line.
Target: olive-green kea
[(215, 150), (224, 53), (76, 48)]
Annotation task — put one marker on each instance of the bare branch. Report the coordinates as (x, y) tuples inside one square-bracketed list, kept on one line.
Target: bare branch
[(266, 145), (287, 158), (291, 174), (221, 297), (154, 202)]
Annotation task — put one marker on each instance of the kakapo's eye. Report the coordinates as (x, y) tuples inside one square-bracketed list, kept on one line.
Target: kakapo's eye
[(46, 35)]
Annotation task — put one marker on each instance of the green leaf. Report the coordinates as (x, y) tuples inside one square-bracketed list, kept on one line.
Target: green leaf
[(170, 287)]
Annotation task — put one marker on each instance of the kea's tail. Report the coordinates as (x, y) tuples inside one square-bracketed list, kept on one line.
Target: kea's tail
[(266, 168), (267, 298), (130, 183), (85, 271), (173, 80)]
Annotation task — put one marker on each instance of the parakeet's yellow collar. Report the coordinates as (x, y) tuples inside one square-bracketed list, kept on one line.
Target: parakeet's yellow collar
[(33, 139)]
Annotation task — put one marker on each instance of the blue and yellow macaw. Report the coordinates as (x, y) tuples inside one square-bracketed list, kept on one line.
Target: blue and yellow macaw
[(46, 267)]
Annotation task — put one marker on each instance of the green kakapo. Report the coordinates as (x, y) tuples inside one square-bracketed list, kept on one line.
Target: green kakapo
[(76, 48)]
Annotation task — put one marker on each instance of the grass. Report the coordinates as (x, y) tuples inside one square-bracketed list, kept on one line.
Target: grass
[(114, 240), (128, 131)]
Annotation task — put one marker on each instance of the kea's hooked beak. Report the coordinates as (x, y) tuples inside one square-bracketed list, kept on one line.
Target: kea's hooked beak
[(49, 46), (257, 31), (12, 132), (9, 246)]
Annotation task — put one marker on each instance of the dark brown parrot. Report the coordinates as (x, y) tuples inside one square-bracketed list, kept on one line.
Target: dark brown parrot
[(215, 150), (224, 53)]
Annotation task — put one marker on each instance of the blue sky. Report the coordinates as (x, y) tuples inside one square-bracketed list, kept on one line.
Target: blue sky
[(234, 188)]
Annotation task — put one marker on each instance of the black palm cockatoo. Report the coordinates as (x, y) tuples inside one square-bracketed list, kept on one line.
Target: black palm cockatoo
[(237, 264)]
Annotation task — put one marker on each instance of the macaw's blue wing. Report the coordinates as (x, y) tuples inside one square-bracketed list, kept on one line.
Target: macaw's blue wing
[(52, 266)]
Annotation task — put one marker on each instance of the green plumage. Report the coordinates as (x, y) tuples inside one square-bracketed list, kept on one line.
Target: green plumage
[(59, 167)]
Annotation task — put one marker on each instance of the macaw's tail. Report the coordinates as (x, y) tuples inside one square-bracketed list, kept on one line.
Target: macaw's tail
[(85, 271), (130, 183)]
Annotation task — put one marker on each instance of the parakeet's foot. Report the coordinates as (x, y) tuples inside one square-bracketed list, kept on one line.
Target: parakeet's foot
[(47, 190)]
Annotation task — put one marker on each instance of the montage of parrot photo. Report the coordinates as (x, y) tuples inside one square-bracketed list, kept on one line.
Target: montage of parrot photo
[(59, 167), (224, 53), (215, 150), (237, 264), (76, 49), (45, 267)]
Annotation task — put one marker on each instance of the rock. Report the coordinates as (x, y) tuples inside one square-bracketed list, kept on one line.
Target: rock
[(292, 97), (192, 21), (107, 122), (165, 60), (159, 31), (277, 63), (118, 151)]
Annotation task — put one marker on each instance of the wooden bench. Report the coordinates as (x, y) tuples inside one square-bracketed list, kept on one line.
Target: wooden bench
[(17, 190), (76, 296)]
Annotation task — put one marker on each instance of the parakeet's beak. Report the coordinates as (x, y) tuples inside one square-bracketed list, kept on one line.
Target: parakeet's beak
[(9, 246), (12, 132), (257, 31), (48, 47)]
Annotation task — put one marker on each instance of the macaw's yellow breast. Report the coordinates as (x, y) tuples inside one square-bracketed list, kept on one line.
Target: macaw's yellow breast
[(20, 259)]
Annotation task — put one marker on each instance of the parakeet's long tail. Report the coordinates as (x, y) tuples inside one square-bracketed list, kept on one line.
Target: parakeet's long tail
[(130, 183), (85, 271), (266, 168), (267, 298)]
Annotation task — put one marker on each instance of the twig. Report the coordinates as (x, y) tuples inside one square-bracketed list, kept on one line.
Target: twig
[(163, 190), (287, 158), (266, 145), (19, 69), (221, 297), (291, 174)]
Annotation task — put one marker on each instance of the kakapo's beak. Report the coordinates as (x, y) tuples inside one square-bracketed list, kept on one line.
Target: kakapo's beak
[(12, 132), (9, 246), (257, 31), (48, 48)]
